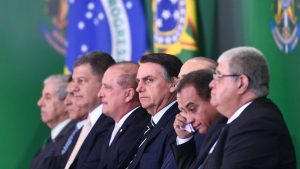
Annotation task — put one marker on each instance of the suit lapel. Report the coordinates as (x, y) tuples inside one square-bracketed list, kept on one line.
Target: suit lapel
[(209, 141), (169, 114)]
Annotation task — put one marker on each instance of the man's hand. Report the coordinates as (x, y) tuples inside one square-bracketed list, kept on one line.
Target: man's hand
[(179, 125)]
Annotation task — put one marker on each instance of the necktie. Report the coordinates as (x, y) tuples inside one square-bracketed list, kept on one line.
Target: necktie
[(47, 141), (70, 140), (220, 137), (84, 132), (149, 127)]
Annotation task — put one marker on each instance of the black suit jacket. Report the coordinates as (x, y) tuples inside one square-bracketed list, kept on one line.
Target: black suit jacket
[(52, 148), (96, 136), (258, 138), (154, 151), (59, 161), (124, 144)]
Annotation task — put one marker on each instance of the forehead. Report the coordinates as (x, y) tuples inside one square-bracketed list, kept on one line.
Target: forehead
[(50, 88), (82, 70), (188, 94), (111, 74), (150, 69), (223, 66)]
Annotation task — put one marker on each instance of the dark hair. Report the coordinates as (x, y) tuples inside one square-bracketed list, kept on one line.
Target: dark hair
[(99, 62), (200, 80), (169, 62), (70, 79)]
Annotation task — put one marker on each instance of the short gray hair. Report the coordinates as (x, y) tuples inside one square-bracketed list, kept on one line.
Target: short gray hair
[(252, 63), (62, 83)]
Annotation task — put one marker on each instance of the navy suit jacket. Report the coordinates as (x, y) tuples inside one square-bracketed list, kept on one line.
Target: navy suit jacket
[(97, 135), (258, 138), (124, 144), (154, 151), (52, 148), (59, 161)]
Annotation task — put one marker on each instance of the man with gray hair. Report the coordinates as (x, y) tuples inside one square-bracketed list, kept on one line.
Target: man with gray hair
[(253, 134), (54, 114)]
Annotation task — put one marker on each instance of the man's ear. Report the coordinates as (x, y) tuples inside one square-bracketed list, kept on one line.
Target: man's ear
[(243, 83), (173, 84), (129, 94)]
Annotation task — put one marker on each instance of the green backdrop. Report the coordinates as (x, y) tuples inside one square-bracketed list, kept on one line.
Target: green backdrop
[(26, 59)]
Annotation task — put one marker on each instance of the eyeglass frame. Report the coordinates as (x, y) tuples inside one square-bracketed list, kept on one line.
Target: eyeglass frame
[(218, 75)]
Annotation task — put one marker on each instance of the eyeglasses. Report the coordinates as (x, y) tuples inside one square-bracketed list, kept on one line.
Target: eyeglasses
[(217, 75)]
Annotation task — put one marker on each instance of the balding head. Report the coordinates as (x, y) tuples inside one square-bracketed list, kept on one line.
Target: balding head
[(118, 90), (197, 63)]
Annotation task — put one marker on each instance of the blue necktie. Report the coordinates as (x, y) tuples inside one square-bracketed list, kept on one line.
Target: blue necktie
[(70, 140)]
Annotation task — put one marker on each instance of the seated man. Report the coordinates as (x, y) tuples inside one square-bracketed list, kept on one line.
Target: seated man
[(197, 114), (54, 114), (87, 77), (253, 134), (193, 64), (157, 77), (120, 102)]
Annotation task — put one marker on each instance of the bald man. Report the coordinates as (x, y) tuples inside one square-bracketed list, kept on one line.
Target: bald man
[(121, 103), (197, 63)]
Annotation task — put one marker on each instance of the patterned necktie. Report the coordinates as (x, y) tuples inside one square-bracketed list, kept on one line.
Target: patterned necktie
[(150, 126), (70, 140), (84, 132)]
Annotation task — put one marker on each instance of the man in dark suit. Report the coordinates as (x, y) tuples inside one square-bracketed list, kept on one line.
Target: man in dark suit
[(157, 76), (191, 65), (120, 102), (193, 96), (54, 114), (87, 77), (255, 134)]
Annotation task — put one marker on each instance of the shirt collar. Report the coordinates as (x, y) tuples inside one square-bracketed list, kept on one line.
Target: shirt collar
[(56, 130), (159, 114), (238, 112), (95, 114), (122, 120), (80, 124)]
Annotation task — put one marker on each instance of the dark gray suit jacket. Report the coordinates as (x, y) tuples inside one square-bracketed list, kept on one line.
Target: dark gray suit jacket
[(258, 138), (52, 148)]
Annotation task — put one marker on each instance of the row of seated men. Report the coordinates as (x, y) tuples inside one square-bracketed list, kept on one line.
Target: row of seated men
[(162, 114)]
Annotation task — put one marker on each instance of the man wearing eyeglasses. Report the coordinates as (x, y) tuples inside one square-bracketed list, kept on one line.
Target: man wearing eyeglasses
[(255, 134)]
